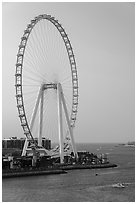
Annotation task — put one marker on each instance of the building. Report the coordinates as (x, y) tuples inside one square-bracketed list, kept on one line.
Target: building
[(46, 143), (18, 143)]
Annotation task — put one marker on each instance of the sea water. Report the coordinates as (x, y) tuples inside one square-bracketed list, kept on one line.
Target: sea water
[(79, 185)]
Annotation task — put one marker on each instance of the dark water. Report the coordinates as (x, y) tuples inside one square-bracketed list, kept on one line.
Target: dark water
[(79, 185)]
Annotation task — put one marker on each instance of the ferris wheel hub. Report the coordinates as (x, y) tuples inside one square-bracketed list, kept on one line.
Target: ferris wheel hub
[(49, 86)]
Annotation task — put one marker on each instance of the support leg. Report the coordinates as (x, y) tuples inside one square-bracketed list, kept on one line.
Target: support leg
[(35, 109), (68, 122), (60, 125), (32, 120), (25, 147), (41, 119)]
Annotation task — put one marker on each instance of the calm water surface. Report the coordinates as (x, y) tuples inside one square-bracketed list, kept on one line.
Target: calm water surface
[(79, 185)]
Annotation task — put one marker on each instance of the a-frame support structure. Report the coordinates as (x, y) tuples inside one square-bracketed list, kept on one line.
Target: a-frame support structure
[(61, 106)]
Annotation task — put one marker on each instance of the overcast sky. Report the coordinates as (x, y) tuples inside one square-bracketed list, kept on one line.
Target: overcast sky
[(102, 36)]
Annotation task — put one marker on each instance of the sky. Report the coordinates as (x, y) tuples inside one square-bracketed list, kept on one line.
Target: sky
[(103, 40)]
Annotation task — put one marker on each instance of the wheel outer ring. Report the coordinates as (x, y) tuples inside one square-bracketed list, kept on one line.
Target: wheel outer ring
[(18, 75)]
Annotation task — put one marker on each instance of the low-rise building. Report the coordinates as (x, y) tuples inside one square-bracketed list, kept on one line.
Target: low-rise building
[(18, 143)]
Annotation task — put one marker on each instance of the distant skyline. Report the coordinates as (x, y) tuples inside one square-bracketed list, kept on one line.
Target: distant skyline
[(103, 39)]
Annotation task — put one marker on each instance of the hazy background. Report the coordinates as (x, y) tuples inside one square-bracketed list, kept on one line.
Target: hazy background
[(102, 36)]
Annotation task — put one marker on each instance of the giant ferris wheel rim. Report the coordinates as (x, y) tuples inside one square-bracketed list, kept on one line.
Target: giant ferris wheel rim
[(19, 66)]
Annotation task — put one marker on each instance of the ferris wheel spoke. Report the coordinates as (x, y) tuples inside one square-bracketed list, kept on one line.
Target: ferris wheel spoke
[(66, 80), (32, 79), (34, 73), (31, 59), (30, 85), (43, 47), (39, 46), (31, 52), (38, 65), (36, 52), (31, 56), (45, 38), (29, 74), (68, 102), (29, 92)]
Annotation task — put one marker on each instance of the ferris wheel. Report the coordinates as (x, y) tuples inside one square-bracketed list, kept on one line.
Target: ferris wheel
[(46, 83)]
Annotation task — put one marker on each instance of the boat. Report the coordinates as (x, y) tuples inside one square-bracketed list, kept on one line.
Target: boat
[(118, 185)]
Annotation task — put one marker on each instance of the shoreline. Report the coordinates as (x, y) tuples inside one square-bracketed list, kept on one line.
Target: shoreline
[(58, 170), (88, 166), (32, 173)]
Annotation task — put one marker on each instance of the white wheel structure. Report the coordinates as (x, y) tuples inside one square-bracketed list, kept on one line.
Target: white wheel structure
[(46, 84)]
